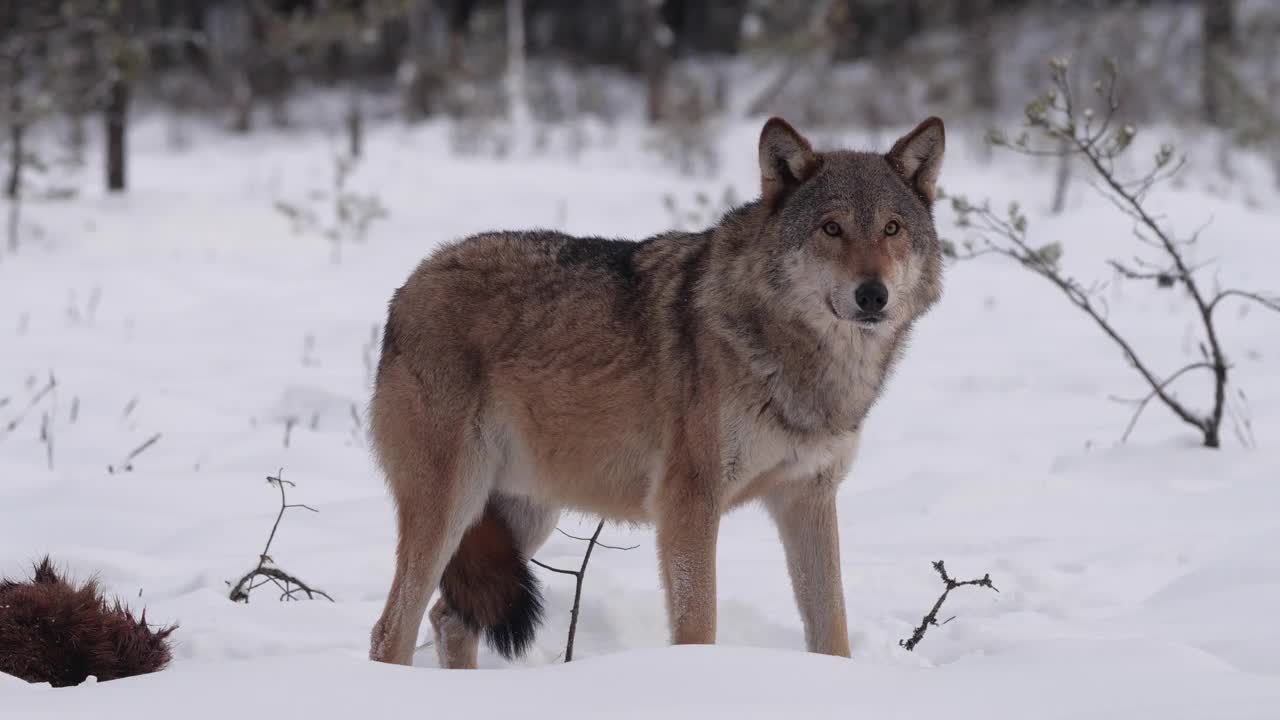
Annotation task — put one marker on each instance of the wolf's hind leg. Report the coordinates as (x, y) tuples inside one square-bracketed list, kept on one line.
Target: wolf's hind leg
[(456, 643), (440, 473)]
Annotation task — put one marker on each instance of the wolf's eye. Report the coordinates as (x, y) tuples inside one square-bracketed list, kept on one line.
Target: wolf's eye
[(831, 228), (892, 228)]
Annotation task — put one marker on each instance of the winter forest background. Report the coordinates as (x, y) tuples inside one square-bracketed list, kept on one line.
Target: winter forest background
[(207, 203), (680, 66)]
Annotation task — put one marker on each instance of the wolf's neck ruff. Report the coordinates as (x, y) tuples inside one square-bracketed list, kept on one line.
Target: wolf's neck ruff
[(813, 375)]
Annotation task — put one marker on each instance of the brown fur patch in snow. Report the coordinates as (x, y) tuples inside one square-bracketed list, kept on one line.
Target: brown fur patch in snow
[(53, 631)]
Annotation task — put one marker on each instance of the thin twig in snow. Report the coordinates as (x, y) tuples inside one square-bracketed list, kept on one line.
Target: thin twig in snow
[(578, 576), (46, 437), (931, 617), (127, 464), (289, 422), (266, 570), (586, 539), (35, 400)]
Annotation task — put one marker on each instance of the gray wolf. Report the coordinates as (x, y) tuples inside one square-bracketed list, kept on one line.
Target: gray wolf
[(664, 381)]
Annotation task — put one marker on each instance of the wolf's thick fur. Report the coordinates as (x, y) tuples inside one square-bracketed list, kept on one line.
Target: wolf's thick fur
[(663, 381)]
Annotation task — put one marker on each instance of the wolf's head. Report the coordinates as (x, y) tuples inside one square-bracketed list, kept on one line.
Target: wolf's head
[(849, 234)]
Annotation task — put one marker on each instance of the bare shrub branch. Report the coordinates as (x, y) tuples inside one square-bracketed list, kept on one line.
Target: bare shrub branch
[(585, 539), (1065, 128), (1271, 302), (349, 213), (931, 617), (578, 576), (267, 571), (1141, 403)]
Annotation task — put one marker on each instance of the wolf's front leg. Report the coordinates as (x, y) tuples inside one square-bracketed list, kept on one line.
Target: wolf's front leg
[(806, 516), (688, 522)]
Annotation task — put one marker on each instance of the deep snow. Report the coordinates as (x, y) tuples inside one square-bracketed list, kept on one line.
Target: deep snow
[(1136, 580)]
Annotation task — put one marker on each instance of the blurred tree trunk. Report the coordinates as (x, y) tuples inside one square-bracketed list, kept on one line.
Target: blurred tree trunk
[(423, 82), (1272, 90), (355, 120), (77, 137), (241, 102), (460, 12), (1062, 178), (247, 28), (127, 54), (1218, 29), (656, 43), (17, 135), (517, 99), (117, 117), (17, 129), (164, 56), (706, 27), (197, 53), (82, 73), (351, 53), (357, 43), (817, 50), (983, 68)]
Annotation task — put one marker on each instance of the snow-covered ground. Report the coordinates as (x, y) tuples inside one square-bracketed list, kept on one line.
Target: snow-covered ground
[(1137, 580)]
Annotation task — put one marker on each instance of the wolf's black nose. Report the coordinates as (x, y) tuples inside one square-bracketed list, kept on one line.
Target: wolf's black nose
[(871, 296)]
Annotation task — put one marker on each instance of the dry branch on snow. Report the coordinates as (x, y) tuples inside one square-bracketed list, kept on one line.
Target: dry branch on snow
[(578, 576), (266, 571), (931, 617)]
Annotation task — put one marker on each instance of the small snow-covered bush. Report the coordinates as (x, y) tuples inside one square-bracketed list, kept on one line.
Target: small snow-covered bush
[(53, 631)]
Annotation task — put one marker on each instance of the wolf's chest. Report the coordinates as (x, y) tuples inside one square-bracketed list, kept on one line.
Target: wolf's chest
[(758, 457)]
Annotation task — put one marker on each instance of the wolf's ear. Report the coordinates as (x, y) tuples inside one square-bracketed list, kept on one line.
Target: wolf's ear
[(917, 157), (786, 159)]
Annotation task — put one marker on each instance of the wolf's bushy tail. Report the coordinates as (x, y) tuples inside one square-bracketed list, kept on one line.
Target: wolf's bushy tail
[(488, 585)]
